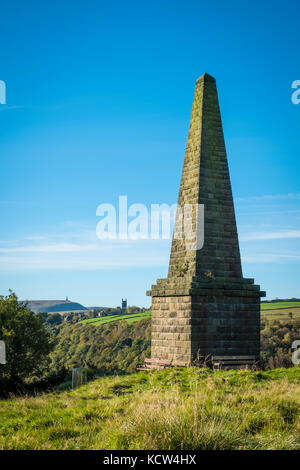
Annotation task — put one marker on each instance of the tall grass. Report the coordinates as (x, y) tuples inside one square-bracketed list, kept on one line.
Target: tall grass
[(172, 409)]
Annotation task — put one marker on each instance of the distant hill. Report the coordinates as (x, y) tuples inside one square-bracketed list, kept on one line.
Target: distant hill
[(53, 306)]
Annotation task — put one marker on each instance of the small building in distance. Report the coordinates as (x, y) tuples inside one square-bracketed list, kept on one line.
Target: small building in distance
[(124, 306)]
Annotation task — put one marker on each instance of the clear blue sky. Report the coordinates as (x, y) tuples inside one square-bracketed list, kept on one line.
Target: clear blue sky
[(99, 96)]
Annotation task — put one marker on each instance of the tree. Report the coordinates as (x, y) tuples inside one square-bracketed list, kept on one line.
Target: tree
[(27, 340), (54, 319), (133, 309)]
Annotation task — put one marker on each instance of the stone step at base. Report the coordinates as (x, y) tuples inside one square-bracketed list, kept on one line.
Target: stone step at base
[(232, 362)]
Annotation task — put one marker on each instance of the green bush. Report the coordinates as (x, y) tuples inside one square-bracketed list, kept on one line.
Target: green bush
[(28, 343)]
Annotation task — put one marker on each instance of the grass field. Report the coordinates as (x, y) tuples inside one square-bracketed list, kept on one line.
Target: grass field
[(279, 305), (281, 314), (173, 409), (130, 318)]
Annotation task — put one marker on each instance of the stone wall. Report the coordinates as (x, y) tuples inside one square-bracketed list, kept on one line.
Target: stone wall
[(171, 328)]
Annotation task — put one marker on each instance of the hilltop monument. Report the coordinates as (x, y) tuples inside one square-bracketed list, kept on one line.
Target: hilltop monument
[(205, 307)]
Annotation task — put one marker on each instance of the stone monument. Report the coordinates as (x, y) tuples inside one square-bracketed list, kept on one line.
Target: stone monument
[(205, 308)]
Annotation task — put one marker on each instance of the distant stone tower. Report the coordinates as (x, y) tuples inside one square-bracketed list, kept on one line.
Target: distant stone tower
[(124, 306), (205, 307)]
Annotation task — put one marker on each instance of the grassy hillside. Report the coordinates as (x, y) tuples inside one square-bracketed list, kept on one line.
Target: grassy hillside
[(117, 347), (172, 409), (110, 347), (130, 318)]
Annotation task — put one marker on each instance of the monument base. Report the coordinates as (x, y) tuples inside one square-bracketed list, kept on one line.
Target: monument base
[(188, 327)]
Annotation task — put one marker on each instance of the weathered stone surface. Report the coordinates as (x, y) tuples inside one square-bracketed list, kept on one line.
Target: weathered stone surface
[(205, 306)]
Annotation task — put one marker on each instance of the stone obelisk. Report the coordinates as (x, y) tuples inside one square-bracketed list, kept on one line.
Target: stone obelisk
[(205, 307)]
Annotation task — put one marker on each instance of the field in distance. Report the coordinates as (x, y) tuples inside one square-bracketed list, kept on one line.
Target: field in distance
[(279, 305), (282, 311), (272, 311), (129, 318)]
